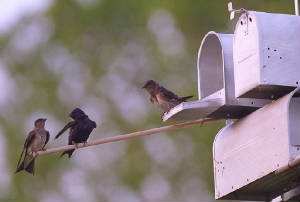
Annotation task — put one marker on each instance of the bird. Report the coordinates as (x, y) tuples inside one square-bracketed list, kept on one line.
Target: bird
[(163, 98), (80, 129), (35, 141)]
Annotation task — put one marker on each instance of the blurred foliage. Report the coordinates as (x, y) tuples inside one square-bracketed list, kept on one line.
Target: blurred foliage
[(97, 54)]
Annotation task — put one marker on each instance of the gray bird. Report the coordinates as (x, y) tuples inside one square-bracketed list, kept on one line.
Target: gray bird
[(163, 98), (35, 141), (80, 129)]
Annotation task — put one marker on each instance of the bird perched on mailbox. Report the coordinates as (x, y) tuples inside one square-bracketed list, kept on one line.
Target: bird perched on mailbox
[(35, 141), (80, 129), (163, 98)]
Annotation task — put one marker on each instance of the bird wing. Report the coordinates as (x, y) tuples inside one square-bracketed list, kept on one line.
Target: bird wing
[(77, 132), (70, 138), (153, 99), (82, 130), (69, 125), (94, 124), (28, 141), (47, 137), (183, 99), (169, 95)]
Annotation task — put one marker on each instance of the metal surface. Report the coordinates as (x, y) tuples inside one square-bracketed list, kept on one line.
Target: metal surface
[(248, 152), (215, 81), (291, 195), (193, 110), (216, 72), (210, 64), (266, 49), (296, 7), (268, 187), (233, 11)]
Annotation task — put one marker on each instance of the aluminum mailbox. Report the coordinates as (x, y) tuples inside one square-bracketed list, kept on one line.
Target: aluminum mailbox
[(216, 77), (247, 152), (266, 55), (216, 92)]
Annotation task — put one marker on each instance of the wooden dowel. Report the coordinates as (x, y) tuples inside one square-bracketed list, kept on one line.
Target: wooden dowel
[(291, 164), (127, 136)]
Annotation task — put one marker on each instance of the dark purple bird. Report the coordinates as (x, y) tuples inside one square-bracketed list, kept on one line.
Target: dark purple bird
[(80, 129)]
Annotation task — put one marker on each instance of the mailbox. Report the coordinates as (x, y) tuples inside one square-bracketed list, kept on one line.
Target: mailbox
[(248, 152), (266, 55), (215, 84)]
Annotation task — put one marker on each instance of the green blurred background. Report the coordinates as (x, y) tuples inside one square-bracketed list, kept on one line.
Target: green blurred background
[(96, 54)]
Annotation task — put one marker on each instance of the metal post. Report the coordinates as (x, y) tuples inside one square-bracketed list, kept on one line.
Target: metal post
[(296, 7)]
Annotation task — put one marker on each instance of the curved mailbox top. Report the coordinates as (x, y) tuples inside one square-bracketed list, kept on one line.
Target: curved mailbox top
[(211, 61)]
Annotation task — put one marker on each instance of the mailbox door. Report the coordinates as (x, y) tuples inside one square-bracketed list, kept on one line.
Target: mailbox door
[(246, 55)]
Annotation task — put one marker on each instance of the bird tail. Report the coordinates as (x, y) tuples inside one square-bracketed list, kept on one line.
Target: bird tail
[(69, 152), (20, 158), (20, 167), (182, 99), (29, 168)]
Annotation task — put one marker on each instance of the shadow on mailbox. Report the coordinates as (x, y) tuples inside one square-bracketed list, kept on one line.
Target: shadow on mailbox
[(215, 84)]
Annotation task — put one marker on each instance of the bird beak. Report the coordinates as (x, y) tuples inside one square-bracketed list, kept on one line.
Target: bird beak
[(144, 86), (45, 119)]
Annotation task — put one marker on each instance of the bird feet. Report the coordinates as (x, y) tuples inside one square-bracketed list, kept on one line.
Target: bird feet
[(34, 154), (75, 144), (165, 113), (162, 116)]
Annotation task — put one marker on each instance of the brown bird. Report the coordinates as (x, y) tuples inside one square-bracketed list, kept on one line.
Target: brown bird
[(163, 98), (35, 141)]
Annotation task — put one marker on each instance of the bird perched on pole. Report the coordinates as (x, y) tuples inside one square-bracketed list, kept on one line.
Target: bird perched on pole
[(163, 98), (35, 141), (80, 129)]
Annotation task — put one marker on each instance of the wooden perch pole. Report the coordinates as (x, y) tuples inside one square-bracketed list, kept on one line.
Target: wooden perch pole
[(128, 136)]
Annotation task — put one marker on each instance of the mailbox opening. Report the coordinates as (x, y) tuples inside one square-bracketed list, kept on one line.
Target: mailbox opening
[(210, 66), (215, 84)]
